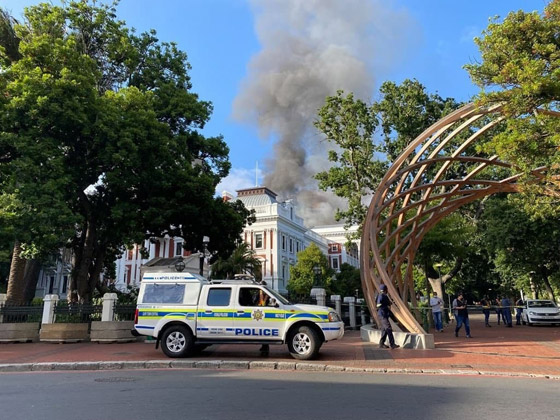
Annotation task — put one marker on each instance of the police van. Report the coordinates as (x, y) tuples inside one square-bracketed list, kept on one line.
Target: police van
[(186, 313)]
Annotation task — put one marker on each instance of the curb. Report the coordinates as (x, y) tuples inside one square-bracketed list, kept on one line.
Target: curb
[(246, 365)]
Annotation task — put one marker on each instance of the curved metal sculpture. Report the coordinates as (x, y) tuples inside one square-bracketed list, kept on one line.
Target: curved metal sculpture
[(434, 176)]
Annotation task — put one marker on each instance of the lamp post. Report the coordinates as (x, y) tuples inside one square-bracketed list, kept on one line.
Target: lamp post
[(202, 254)]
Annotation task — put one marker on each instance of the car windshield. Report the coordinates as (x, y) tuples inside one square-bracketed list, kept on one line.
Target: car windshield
[(541, 304), (277, 296)]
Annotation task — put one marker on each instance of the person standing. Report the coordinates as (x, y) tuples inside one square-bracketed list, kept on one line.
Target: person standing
[(436, 303), (485, 303), (460, 306), (518, 311), (383, 304), (499, 313), (506, 311)]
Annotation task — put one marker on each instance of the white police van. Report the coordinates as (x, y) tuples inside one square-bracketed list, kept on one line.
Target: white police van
[(185, 313)]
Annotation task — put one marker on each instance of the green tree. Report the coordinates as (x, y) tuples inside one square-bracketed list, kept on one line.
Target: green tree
[(525, 249), (349, 124), (519, 71), (302, 275), (346, 281), (360, 161), (243, 260), (104, 138)]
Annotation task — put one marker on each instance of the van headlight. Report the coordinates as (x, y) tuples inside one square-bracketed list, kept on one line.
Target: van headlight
[(333, 317)]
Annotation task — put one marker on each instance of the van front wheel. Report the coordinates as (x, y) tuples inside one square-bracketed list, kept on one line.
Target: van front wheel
[(177, 341), (304, 343)]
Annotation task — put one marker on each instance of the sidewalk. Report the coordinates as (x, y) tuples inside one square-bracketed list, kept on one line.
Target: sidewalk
[(519, 351)]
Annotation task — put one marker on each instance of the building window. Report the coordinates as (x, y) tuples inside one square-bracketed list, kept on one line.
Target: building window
[(64, 284), (335, 263), (258, 240), (291, 246), (179, 249), (283, 242), (334, 247)]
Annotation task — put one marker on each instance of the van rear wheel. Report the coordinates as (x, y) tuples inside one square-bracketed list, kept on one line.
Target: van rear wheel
[(304, 343), (177, 341)]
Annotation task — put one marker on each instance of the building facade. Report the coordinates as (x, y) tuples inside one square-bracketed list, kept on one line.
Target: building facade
[(277, 235)]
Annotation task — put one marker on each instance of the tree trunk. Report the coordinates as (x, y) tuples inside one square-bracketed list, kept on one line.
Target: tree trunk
[(16, 285), (83, 263), (31, 277), (548, 287)]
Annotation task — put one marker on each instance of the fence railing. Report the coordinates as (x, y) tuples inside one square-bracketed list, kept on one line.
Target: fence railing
[(10, 313), (124, 312), (76, 313)]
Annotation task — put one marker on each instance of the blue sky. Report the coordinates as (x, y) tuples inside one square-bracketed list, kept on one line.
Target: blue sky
[(429, 40)]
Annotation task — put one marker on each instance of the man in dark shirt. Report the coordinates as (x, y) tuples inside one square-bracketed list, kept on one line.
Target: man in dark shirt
[(460, 308), (384, 312)]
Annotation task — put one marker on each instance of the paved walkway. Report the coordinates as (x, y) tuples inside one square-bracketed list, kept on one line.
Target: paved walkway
[(519, 351)]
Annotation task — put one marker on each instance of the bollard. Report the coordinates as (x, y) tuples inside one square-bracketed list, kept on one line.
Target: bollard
[(50, 302), (109, 300), (363, 316), (321, 296), (337, 304), (351, 300)]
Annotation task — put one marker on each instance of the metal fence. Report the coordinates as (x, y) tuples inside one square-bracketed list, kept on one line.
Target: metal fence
[(124, 312), (76, 313), (10, 313)]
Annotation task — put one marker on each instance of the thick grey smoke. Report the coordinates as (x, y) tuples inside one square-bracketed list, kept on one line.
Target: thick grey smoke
[(310, 49)]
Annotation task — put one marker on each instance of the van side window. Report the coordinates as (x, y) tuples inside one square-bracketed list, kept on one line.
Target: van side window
[(164, 293), (218, 297)]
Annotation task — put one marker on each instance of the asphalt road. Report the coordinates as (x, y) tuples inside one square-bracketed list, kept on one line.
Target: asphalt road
[(246, 395)]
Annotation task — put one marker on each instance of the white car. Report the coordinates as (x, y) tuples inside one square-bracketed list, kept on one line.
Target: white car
[(539, 311)]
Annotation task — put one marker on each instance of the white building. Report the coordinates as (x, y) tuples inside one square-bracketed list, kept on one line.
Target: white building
[(277, 235)]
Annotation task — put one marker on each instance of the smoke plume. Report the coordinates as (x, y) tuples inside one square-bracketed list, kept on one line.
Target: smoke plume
[(310, 49)]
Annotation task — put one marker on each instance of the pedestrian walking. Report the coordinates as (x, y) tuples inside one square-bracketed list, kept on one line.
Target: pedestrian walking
[(384, 312), (518, 311), (506, 311), (460, 307), (436, 303)]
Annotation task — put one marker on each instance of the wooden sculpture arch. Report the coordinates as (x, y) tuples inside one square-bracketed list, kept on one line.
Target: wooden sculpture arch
[(419, 189)]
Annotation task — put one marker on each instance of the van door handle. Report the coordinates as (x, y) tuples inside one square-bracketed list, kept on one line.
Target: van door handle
[(240, 312), (207, 312)]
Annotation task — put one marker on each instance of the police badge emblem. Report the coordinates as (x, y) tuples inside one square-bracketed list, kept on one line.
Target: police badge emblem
[(258, 315)]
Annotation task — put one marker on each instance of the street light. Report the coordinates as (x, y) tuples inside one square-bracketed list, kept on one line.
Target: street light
[(202, 255)]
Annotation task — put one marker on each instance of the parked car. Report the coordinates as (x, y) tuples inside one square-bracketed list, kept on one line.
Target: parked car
[(540, 311)]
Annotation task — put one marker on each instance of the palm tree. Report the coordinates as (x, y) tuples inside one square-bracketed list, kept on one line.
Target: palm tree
[(241, 261)]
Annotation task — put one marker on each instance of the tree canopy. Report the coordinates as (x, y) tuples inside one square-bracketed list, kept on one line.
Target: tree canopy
[(520, 71), (302, 274), (100, 139)]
